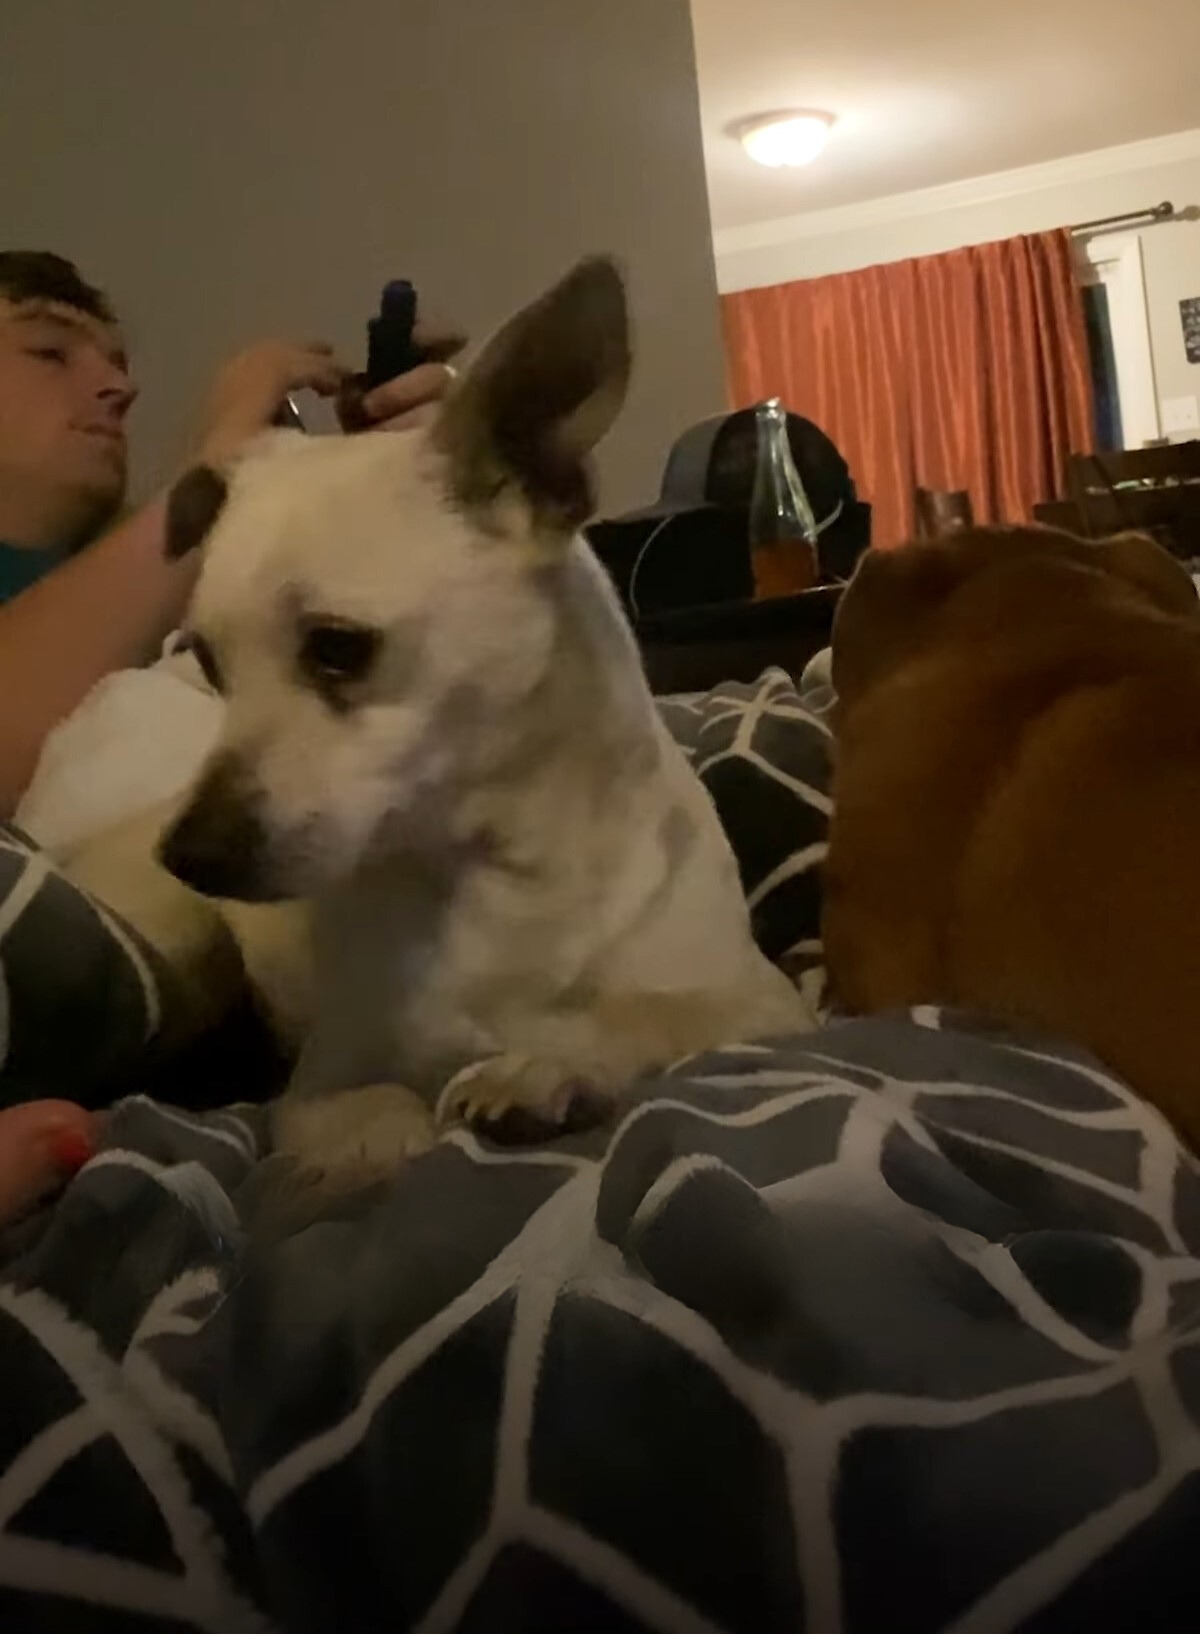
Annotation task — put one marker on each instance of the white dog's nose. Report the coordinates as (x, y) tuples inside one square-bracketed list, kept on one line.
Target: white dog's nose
[(218, 845)]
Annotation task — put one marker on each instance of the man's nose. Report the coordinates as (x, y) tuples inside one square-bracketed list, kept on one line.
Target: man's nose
[(117, 391)]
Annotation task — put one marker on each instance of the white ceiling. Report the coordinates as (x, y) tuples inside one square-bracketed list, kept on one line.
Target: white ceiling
[(930, 91)]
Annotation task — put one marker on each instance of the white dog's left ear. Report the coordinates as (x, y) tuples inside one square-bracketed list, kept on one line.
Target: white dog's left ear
[(542, 394), (193, 506)]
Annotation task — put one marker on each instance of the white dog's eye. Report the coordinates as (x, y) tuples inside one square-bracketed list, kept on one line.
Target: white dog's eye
[(335, 653)]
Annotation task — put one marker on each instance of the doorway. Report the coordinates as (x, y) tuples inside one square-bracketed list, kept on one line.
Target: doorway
[(1114, 290)]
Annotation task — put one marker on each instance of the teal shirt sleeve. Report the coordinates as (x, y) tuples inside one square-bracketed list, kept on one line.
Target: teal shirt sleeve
[(21, 568)]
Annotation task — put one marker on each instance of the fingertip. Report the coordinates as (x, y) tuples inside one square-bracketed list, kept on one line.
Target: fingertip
[(330, 382), (42, 1143), (70, 1149), (421, 386), (368, 408), (73, 1137), (438, 341)]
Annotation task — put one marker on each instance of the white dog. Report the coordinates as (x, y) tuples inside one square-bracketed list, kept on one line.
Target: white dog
[(438, 733)]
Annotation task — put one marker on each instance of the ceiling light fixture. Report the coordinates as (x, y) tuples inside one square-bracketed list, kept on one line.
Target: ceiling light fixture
[(791, 139)]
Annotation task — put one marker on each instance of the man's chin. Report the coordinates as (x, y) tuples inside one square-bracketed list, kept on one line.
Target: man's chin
[(97, 505)]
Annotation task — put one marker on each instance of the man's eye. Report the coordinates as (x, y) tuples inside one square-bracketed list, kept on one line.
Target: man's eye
[(51, 354), (334, 653)]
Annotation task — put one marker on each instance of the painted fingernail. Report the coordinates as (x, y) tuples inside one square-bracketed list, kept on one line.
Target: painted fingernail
[(70, 1149)]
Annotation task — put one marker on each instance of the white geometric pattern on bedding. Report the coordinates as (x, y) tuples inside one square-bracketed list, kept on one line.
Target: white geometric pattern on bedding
[(897, 1326)]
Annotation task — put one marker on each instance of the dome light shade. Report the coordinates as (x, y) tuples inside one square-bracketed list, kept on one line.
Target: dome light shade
[(790, 139)]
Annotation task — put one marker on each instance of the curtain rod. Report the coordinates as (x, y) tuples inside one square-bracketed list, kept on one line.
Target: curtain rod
[(1155, 212)]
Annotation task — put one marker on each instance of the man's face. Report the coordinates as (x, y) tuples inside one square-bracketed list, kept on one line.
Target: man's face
[(64, 394)]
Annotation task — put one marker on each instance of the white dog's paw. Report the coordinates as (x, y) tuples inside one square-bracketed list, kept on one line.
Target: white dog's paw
[(355, 1137), (332, 1153), (522, 1098)]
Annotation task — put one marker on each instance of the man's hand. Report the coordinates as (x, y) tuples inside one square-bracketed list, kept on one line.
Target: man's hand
[(249, 389), (411, 399)]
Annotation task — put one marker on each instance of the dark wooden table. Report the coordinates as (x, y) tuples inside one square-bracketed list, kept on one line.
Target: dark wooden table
[(697, 648), (1153, 490)]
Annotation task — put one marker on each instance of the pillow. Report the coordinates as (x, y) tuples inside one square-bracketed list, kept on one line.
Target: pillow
[(135, 741), (762, 749)]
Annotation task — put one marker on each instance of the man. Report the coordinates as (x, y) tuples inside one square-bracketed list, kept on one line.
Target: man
[(77, 601), (80, 597)]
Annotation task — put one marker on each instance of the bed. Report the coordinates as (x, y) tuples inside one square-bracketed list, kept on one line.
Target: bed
[(893, 1326)]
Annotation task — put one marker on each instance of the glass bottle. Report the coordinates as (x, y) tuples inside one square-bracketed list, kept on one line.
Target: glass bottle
[(783, 530)]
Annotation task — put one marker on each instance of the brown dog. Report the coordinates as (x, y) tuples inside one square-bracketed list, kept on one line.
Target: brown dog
[(1017, 798)]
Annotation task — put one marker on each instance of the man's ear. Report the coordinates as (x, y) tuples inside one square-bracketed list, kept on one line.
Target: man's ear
[(193, 505), (544, 391)]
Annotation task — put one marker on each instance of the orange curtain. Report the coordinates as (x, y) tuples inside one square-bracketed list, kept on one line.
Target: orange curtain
[(968, 370)]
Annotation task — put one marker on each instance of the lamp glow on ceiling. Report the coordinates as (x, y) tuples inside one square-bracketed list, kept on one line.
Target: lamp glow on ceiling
[(786, 139)]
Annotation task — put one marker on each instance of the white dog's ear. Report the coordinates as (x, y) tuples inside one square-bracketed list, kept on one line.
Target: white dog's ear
[(542, 394), (193, 506)]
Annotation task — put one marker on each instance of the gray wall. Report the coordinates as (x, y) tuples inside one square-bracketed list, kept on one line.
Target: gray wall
[(233, 168)]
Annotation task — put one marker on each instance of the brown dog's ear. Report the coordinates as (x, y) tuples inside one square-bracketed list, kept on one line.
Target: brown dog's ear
[(1136, 558), (884, 609), (193, 506), (542, 394)]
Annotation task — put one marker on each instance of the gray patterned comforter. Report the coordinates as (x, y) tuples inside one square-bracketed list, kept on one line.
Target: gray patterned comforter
[(897, 1328)]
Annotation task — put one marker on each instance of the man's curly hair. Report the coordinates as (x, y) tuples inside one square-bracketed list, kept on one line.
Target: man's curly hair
[(40, 275)]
